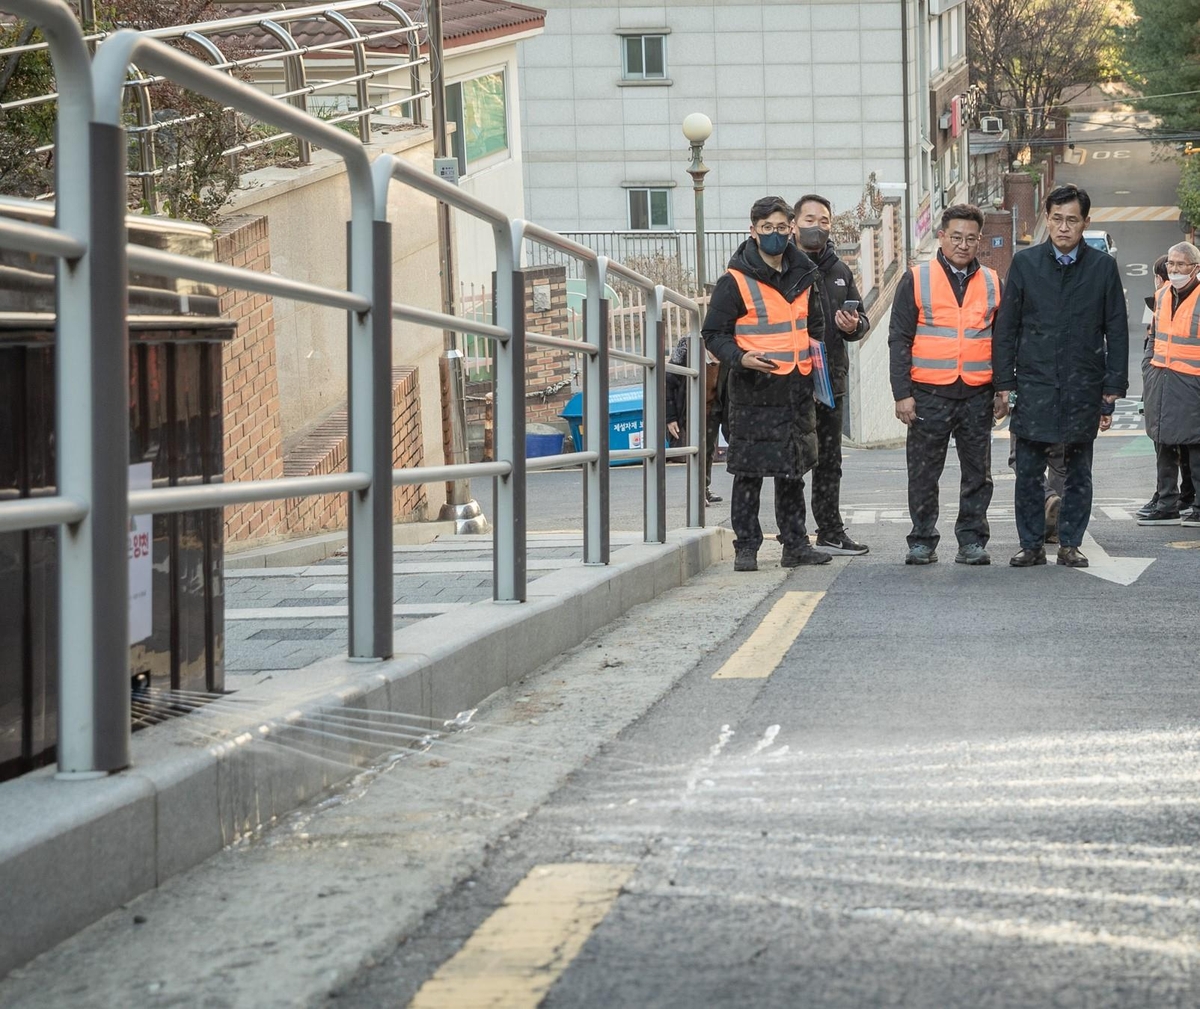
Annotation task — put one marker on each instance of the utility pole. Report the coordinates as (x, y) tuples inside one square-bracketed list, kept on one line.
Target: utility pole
[(459, 506)]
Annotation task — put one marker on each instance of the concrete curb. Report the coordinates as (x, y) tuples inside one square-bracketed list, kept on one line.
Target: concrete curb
[(70, 852)]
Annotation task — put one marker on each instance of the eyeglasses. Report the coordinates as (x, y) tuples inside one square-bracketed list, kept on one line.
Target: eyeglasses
[(1174, 264), (1070, 222), (967, 240), (779, 229)]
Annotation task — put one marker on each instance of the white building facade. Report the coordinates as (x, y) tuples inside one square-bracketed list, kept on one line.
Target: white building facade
[(803, 97)]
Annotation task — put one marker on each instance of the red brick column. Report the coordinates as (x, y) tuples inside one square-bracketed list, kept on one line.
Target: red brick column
[(253, 435)]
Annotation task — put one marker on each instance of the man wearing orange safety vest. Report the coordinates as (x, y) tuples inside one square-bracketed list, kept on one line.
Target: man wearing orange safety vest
[(1172, 380), (940, 340), (760, 319)]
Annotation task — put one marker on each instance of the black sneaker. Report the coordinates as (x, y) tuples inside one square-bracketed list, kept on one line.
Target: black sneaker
[(1191, 517), (841, 544), (1159, 517), (1148, 507), (803, 554), (711, 498), (745, 559)]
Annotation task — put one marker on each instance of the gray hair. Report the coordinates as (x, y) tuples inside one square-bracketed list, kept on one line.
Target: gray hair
[(1187, 250)]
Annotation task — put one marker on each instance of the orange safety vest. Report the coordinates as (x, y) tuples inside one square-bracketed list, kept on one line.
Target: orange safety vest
[(953, 341), (1177, 337), (773, 327)]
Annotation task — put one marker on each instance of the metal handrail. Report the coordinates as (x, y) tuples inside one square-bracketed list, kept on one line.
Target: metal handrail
[(291, 54), (94, 503)]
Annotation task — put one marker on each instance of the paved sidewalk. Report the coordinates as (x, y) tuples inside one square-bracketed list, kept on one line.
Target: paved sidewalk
[(280, 618)]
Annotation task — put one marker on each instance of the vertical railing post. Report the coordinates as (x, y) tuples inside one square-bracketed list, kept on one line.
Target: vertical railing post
[(654, 398), (595, 416), (696, 406), (369, 340), (93, 421), (508, 369), (92, 439)]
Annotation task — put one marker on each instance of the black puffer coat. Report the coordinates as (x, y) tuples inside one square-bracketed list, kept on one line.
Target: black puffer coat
[(837, 286), (1061, 340), (770, 419)]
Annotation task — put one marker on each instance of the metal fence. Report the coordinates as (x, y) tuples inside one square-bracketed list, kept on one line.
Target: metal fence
[(668, 256), (303, 78), (93, 502)]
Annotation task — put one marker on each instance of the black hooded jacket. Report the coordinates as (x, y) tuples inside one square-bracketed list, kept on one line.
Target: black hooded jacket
[(770, 419), (838, 287)]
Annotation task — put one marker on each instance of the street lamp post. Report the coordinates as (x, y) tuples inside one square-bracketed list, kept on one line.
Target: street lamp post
[(697, 127)]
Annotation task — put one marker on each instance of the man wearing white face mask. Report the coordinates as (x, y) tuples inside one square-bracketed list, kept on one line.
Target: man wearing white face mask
[(1172, 382)]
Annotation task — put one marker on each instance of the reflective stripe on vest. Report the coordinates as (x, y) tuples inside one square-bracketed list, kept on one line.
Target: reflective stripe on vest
[(1177, 338), (773, 327), (953, 341)]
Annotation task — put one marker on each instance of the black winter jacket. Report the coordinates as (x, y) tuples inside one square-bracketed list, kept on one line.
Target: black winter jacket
[(1061, 340), (838, 287), (770, 419)]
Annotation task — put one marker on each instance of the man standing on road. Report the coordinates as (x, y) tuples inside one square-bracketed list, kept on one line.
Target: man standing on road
[(760, 318), (1061, 345), (1172, 383), (814, 219), (940, 339)]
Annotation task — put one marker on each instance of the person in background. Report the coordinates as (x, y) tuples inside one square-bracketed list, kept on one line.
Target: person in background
[(1061, 344), (1172, 382), (715, 376), (843, 309), (940, 342), (1166, 456), (760, 318)]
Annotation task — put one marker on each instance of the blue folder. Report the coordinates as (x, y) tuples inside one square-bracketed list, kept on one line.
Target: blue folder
[(822, 385)]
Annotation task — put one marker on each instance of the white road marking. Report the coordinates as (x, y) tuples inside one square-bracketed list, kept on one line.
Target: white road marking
[(1119, 570)]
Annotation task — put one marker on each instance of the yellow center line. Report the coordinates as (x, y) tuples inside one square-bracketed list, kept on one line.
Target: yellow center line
[(515, 956), (768, 644)]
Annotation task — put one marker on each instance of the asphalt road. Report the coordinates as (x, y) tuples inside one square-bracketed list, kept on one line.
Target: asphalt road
[(959, 787)]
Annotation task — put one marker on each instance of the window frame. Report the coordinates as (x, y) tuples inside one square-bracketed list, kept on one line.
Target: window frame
[(642, 75), (647, 192), (455, 112)]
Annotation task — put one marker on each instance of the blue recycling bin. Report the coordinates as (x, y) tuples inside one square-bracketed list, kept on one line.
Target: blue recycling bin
[(626, 422)]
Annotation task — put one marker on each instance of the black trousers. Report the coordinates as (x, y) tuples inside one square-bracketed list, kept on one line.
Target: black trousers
[(827, 474), (789, 511), (1056, 469), (970, 422), (1030, 494), (1175, 464), (712, 431)]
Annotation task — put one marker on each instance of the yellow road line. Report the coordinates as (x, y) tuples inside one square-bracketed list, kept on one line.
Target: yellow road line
[(515, 956), (767, 645)]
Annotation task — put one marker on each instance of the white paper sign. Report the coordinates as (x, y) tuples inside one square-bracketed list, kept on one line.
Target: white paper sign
[(141, 559)]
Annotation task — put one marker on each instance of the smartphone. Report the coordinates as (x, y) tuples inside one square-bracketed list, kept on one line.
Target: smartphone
[(772, 365), (850, 306)]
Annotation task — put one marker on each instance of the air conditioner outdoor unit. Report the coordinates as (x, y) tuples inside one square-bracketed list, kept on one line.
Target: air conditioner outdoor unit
[(991, 124)]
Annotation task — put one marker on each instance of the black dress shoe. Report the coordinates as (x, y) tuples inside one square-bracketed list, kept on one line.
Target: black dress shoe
[(1071, 557), (1027, 558)]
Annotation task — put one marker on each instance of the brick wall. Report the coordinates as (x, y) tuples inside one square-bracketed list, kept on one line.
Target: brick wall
[(548, 370), (253, 432), (325, 449), (997, 224), (253, 435)]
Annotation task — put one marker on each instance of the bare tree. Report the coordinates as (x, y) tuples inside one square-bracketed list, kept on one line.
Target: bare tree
[(1031, 56)]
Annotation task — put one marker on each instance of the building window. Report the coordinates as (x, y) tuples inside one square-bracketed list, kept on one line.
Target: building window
[(645, 57), (936, 62), (649, 209), (954, 33), (479, 110)]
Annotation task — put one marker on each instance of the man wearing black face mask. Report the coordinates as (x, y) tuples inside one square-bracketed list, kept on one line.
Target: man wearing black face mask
[(762, 313), (814, 218)]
